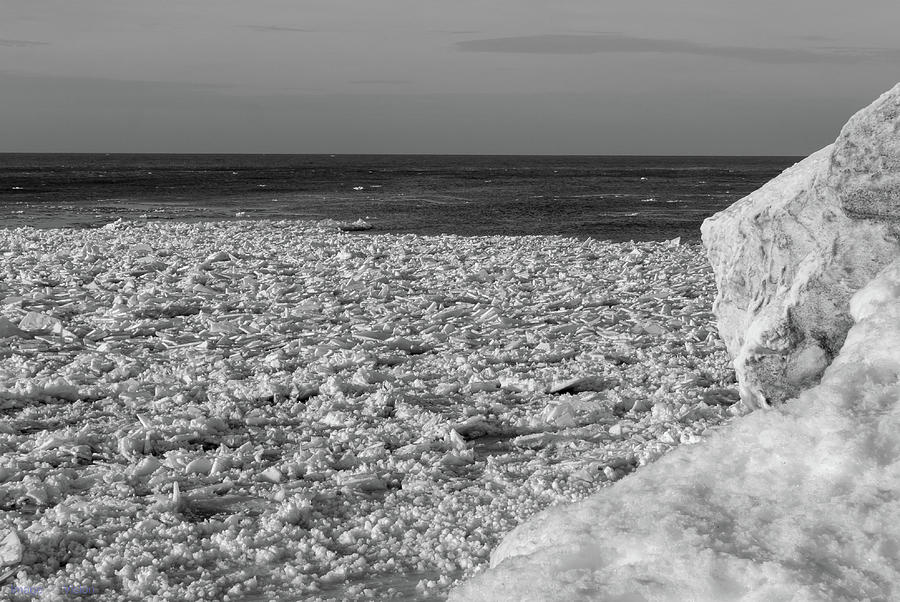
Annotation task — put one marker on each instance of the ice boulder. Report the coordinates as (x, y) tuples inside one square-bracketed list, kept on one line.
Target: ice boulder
[(788, 257)]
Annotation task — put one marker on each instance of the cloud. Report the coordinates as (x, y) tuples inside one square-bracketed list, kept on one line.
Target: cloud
[(20, 43), (278, 28), (861, 54), (455, 31), (386, 82), (581, 44)]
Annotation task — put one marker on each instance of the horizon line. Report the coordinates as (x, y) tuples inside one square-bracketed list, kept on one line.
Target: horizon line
[(187, 153)]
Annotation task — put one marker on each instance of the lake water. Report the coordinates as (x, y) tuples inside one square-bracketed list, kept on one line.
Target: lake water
[(607, 197)]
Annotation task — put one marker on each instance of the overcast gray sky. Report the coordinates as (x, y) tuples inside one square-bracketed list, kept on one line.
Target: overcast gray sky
[(450, 76)]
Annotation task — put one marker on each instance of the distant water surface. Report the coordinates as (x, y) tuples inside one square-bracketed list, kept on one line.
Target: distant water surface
[(607, 197)]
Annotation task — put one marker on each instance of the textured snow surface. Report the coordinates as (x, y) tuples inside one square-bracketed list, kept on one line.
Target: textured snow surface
[(797, 503), (253, 410)]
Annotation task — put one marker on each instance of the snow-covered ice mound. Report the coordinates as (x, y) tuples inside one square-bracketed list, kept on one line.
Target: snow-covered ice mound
[(796, 503)]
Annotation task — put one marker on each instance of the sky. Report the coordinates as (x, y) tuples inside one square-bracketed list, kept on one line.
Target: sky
[(646, 77)]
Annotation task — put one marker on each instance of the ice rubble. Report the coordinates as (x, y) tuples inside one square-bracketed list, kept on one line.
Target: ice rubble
[(222, 410), (797, 503)]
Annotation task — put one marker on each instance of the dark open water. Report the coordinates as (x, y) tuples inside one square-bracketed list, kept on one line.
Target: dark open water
[(616, 198)]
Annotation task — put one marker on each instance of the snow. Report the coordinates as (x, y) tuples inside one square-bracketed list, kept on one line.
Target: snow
[(285, 410), (795, 503)]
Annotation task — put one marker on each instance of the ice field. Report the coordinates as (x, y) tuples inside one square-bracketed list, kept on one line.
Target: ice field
[(253, 410)]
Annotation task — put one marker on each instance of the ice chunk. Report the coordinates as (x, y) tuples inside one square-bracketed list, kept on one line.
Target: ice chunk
[(140, 249), (455, 439), (366, 481), (35, 321), (146, 467), (220, 465), (200, 465), (271, 475), (10, 547), (474, 427), (559, 414), (217, 256), (654, 328), (579, 385), (459, 458), (347, 461)]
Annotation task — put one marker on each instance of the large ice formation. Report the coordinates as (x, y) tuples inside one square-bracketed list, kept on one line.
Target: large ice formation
[(788, 257)]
